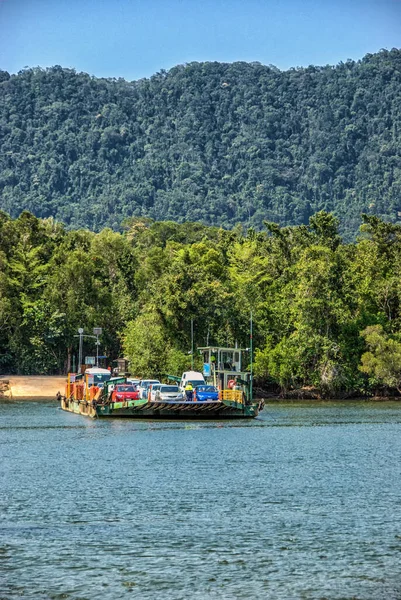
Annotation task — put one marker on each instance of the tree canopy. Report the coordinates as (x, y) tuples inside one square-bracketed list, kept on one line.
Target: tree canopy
[(326, 314), (217, 143)]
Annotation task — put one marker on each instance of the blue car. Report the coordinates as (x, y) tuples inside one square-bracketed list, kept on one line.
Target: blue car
[(202, 393)]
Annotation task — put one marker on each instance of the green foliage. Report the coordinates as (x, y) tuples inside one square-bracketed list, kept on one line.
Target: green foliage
[(212, 142), (177, 362), (310, 295), (383, 360), (145, 345), (280, 362)]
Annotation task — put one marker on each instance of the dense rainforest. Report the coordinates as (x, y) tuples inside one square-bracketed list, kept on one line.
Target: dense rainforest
[(326, 314), (217, 143)]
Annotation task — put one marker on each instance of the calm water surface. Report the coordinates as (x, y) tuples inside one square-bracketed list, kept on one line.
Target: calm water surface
[(303, 502)]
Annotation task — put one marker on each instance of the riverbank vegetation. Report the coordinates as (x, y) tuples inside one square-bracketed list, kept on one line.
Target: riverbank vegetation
[(326, 314)]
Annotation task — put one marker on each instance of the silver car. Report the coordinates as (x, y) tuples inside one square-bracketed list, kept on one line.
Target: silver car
[(168, 392)]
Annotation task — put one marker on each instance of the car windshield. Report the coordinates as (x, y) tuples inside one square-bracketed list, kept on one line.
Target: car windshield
[(169, 388), (100, 377), (195, 383), (125, 388), (206, 388)]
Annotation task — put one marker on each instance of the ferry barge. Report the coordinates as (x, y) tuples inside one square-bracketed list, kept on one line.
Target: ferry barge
[(90, 393)]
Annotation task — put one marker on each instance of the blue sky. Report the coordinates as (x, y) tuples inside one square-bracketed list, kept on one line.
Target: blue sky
[(136, 38)]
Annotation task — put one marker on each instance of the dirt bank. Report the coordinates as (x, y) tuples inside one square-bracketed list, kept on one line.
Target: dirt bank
[(31, 387)]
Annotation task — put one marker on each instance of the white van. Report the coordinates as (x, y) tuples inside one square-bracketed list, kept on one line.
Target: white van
[(192, 377), (97, 376)]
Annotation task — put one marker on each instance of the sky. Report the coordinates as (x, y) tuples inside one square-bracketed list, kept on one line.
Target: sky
[(137, 38)]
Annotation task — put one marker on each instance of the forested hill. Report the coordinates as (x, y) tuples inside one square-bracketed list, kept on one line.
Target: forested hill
[(211, 142)]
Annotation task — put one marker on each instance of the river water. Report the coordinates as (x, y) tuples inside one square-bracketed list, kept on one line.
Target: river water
[(303, 502)]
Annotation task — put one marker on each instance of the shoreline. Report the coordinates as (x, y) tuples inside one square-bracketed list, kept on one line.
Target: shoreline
[(31, 387), (45, 388)]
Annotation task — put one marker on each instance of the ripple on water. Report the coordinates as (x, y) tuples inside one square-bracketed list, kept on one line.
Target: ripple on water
[(303, 502)]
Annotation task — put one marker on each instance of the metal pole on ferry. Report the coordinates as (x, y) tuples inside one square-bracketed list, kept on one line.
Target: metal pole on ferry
[(251, 357), (80, 331), (97, 331), (192, 344)]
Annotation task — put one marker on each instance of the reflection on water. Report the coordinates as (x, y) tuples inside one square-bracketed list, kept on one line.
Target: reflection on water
[(303, 502)]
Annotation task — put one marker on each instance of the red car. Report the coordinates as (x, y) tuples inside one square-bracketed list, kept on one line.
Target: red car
[(123, 392)]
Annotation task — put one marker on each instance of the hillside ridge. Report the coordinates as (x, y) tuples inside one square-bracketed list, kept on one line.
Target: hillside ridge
[(219, 143)]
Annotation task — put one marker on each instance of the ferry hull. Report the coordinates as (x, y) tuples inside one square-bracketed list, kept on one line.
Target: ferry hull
[(142, 409)]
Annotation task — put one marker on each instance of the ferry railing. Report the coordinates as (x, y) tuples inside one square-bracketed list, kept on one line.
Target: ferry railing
[(232, 396)]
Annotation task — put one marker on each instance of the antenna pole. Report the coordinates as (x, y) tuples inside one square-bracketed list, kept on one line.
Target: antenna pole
[(251, 357), (192, 344), (81, 337)]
